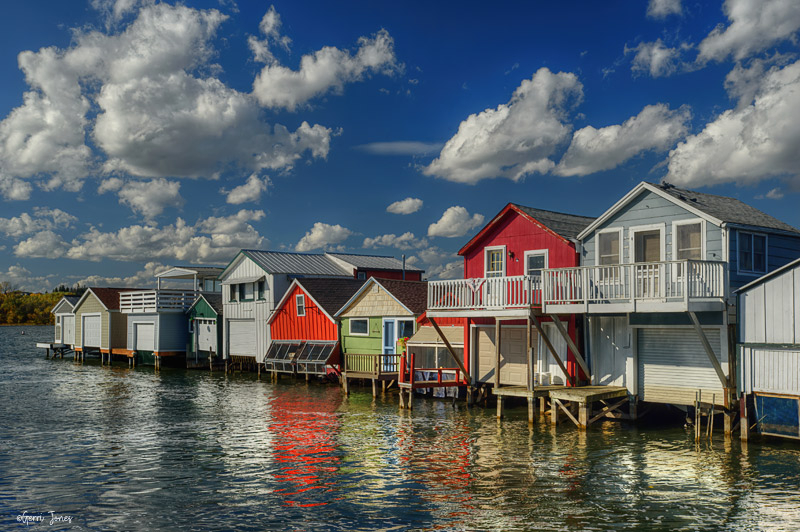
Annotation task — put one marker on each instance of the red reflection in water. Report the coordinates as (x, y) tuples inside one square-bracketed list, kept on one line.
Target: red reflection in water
[(305, 428)]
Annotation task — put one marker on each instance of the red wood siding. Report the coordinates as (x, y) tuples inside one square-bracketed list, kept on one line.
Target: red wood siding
[(519, 235), (383, 274), (315, 325)]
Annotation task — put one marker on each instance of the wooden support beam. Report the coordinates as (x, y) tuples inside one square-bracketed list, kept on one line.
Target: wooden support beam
[(563, 330), (497, 353), (558, 404), (529, 355), (609, 408), (452, 351), (550, 346), (712, 357)]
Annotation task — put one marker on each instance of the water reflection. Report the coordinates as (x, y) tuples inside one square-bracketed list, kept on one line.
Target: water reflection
[(132, 449)]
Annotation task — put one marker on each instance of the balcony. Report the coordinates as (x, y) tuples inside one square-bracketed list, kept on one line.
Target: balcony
[(670, 286), (474, 296), (149, 301)]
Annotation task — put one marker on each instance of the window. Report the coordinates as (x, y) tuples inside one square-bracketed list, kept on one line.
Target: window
[(647, 246), (262, 289), (361, 275), (300, 303), (752, 252), (405, 328), (359, 326), (495, 262), (535, 262), (608, 248), (245, 291), (689, 241), (234, 291)]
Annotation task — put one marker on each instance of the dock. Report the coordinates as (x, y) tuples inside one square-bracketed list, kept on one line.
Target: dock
[(584, 398)]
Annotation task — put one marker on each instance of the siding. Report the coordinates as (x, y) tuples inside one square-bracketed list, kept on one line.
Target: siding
[(366, 345), (119, 324), (315, 325), (204, 311), (770, 311), (519, 234), (781, 250), (258, 311), (375, 302), (770, 371), (647, 209), (91, 305)]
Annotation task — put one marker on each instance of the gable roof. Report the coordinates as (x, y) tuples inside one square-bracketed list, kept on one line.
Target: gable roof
[(108, 297), (716, 209), (69, 300), (566, 226), (213, 299), (373, 262), (329, 294), (189, 272), (412, 295)]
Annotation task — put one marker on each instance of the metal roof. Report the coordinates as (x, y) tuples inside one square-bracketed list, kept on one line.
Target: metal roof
[(189, 272), (374, 262), (566, 225), (727, 209), (295, 263)]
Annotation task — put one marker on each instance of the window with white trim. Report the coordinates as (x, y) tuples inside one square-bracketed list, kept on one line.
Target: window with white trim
[(300, 303), (234, 292), (752, 252), (535, 262), (359, 326), (608, 248), (261, 289), (689, 241), (495, 262), (246, 291)]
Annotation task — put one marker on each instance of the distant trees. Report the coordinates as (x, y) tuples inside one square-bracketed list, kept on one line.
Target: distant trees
[(18, 308)]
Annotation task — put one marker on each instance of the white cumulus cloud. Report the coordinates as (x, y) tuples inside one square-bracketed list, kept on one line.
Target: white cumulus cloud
[(144, 278), (405, 241), (148, 198), (438, 264), (323, 235), (328, 69), (406, 206), (757, 140), (270, 27), (654, 58), (515, 139), (43, 219), (656, 127), (455, 222), (663, 8), (755, 25), (250, 191), (44, 244)]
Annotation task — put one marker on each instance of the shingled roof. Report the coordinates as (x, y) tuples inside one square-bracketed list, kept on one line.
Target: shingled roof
[(109, 297), (214, 300), (566, 225), (726, 209), (412, 294), (331, 294)]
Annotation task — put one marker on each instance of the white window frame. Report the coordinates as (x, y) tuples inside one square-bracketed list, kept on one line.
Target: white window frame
[(486, 251), (691, 221), (545, 252), (597, 234), (233, 296), (350, 326), (300, 302), (661, 228), (754, 273)]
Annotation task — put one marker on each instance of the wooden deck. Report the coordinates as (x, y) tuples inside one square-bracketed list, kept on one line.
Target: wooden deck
[(522, 391), (584, 397)]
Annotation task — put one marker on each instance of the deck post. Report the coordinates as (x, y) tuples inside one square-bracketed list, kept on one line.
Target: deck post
[(744, 422), (374, 388), (497, 333), (633, 404), (500, 407), (583, 414), (346, 384), (531, 402), (554, 404)]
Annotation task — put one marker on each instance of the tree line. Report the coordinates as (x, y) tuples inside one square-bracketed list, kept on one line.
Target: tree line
[(24, 308)]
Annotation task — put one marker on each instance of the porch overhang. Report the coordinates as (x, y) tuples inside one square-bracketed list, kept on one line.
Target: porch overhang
[(480, 313), (629, 307)]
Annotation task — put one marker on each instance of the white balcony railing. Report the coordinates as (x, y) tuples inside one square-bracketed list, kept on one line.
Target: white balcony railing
[(670, 281), (490, 293), (157, 300)]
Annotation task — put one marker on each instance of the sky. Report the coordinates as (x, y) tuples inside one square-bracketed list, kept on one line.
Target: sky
[(136, 135)]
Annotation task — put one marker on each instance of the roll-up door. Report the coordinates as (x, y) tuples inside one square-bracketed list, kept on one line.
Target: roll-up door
[(673, 366), (92, 327), (206, 335), (242, 337), (144, 336), (513, 363)]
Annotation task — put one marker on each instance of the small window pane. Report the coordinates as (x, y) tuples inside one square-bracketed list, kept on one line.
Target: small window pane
[(535, 264), (494, 263), (759, 253), (609, 248), (359, 326), (745, 251), (301, 305), (690, 242), (647, 245), (405, 329)]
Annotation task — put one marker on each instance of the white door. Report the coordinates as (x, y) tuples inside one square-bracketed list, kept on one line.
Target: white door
[(144, 336), (68, 330), (549, 370), (206, 331), (242, 338), (673, 366), (611, 346), (92, 327), (513, 361)]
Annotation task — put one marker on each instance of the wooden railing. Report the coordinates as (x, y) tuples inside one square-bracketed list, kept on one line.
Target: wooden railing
[(375, 365), (157, 300), (483, 293), (683, 280), (408, 369)]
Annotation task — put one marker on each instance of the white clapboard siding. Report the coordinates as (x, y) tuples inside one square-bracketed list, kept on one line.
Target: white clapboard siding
[(673, 365), (770, 371), (255, 311), (770, 311)]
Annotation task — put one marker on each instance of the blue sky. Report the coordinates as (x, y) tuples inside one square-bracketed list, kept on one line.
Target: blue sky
[(136, 135)]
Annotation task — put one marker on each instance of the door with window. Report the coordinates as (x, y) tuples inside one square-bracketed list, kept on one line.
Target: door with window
[(393, 330), (647, 256), (688, 245), (495, 269), (535, 262)]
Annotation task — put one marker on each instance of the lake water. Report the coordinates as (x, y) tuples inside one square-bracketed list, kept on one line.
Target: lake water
[(121, 449)]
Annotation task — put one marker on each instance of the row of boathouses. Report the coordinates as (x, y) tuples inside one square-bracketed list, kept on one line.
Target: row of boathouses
[(669, 297)]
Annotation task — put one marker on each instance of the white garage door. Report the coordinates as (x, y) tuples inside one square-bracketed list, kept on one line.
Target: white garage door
[(91, 331), (513, 363), (206, 331), (144, 336), (673, 365), (68, 330), (242, 337)]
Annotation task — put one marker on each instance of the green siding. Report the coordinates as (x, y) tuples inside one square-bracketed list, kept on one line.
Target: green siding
[(365, 345)]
